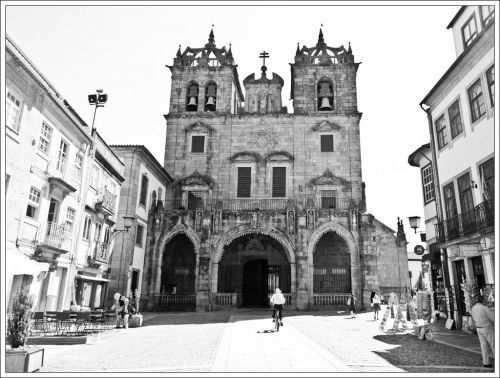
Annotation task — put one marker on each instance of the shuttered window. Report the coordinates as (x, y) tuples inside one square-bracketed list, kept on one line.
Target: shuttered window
[(328, 199), (326, 143), (279, 182), (244, 182), (198, 143)]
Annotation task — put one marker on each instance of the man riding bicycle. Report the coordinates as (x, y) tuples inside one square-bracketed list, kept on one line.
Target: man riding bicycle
[(277, 302)]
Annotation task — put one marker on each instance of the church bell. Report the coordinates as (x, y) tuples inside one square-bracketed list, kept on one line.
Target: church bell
[(192, 101), (210, 105), (325, 103), (211, 101)]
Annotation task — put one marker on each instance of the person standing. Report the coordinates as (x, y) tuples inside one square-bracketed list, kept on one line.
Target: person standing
[(485, 322), (376, 305), (351, 302)]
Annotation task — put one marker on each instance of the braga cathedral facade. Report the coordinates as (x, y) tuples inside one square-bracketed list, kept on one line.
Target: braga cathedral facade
[(263, 198)]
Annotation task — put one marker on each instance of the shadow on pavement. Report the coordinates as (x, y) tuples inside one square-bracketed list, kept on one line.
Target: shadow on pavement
[(409, 351)]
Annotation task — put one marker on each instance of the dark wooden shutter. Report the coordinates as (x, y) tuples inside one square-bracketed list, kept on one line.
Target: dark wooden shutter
[(244, 182), (328, 199), (198, 143), (326, 143), (279, 181)]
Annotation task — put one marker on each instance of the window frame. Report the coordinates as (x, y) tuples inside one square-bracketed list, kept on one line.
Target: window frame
[(273, 194), (427, 183), (45, 138), (16, 124), (139, 235), (238, 181), (476, 100), (490, 81), (69, 220), (473, 35), (87, 224), (487, 189), (441, 132), (193, 136), (489, 17), (143, 191), (452, 118), (321, 142), (323, 196), (34, 202), (447, 200), (62, 156)]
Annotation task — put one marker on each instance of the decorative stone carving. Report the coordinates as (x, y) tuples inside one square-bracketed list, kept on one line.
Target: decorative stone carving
[(328, 178), (291, 221), (263, 138), (325, 126), (310, 219)]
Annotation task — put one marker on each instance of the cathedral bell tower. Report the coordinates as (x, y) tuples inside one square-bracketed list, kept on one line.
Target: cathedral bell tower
[(324, 79), (205, 80)]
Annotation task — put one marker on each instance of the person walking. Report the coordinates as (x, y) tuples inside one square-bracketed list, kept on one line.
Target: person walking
[(376, 305), (485, 322), (351, 302)]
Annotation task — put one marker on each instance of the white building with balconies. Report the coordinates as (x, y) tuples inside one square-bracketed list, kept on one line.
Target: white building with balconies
[(461, 120), (47, 160)]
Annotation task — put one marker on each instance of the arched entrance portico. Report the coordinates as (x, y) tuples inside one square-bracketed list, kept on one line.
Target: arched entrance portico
[(251, 266)]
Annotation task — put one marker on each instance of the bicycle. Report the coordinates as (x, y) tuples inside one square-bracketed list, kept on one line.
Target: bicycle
[(277, 320)]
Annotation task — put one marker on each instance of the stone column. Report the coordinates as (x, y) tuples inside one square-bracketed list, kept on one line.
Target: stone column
[(203, 291)]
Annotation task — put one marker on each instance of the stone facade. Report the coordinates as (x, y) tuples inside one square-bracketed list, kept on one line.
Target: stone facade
[(267, 198)]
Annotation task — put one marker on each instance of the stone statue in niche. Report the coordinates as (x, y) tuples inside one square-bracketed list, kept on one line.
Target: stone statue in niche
[(291, 222), (354, 220), (153, 200), (159, 203), (310, 219), (254, 219)]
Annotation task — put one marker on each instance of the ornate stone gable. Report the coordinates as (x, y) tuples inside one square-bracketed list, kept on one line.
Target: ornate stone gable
[(195, 178), (328, 178), (325, 126), (199, 127)]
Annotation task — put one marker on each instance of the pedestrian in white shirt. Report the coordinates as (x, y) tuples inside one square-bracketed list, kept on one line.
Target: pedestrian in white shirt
[(485, 322), (277, 302)]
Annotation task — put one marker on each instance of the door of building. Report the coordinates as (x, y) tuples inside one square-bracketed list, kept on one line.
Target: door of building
[(255, 283)]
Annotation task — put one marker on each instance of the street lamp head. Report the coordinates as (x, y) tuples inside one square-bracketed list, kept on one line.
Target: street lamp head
[(92, 99), (414, 222), (102, 98), (128, 222)]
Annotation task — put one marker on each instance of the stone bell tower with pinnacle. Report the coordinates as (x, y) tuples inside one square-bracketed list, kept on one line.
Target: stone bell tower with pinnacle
[(263, 198)]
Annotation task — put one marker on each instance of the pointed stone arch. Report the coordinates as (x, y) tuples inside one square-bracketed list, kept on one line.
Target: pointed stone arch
[(180, 229), (335, 227)]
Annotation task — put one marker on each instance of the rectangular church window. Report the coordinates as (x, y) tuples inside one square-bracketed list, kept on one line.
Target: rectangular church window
[(198, 143), (326, 143), (279, 181), (244, 182)]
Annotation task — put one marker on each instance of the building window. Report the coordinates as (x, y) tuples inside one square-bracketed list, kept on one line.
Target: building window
[(138, 235), (13, 111), (95, 177), (195, 200), (192, 98), (198, 143), (45, 136), (328, 199), (107, 235), (98, 230), (326, 143), (490, 78), (465, 193), (62, 157), (279, 181), (78, 164), (487, 13), (33, 203), (442, 136), (427, 183), (455, 120), (469, 31), (476, 100), (449, 200), (244, 182), (210, 97), (144, 190), (86, 227), (325, 96), (70, 218), (487, 172)]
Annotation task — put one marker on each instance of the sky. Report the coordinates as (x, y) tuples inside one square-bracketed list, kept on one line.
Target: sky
[(124, 49)]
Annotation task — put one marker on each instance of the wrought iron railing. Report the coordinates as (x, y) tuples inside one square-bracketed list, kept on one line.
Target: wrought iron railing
[(251, 204), (101, 251), (106, 199), (478, 219), (176, 299), (55, 235)]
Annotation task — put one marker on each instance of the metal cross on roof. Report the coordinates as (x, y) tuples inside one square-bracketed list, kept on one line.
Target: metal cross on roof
[(264, 55)]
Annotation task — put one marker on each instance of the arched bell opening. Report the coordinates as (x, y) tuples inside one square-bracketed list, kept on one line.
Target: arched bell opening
[(332, 265), (252, 267), (211, 97), (178, 271), (325, 96), (192, 97)]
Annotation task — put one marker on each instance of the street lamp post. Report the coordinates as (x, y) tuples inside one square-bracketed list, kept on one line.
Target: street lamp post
[(98, 99)]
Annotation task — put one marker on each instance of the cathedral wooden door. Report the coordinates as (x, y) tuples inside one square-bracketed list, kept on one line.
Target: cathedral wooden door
[(255, 283)]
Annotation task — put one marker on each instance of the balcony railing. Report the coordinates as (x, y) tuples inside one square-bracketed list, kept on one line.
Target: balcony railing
[(54, 235), (101, 252), (478, 219), (105, 200), (250, 204)]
